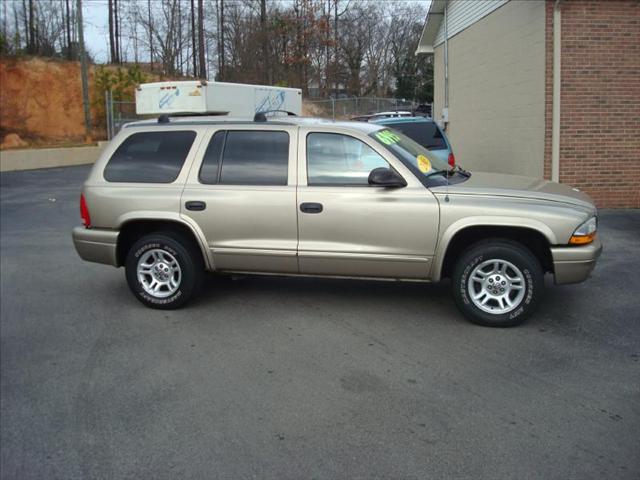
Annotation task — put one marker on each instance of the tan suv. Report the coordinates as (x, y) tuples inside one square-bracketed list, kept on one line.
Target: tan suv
[(173, 198)]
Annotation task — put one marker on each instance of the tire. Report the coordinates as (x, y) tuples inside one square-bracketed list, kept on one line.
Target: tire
[(480, 273), (170, 260)]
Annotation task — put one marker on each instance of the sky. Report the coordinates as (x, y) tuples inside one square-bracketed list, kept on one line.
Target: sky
[(96, 28)]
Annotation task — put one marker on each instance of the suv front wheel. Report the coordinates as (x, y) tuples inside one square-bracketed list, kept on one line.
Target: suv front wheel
[(163, 270), (497, 283)]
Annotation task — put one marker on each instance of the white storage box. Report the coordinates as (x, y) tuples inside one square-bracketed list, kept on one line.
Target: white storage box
[(195, 96)]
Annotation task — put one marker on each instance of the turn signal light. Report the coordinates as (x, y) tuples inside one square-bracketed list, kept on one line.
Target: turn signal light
[(84, 212), (585, 233), (451, 160), (582, 239)]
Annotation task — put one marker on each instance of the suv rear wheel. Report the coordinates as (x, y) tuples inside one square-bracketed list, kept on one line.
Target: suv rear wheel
[(497, 283), (163, 270)]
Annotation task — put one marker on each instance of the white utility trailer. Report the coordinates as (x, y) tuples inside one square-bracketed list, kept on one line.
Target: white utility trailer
[(218, 98)]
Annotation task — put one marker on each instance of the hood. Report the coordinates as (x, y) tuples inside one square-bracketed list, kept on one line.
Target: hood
[(498, 184)]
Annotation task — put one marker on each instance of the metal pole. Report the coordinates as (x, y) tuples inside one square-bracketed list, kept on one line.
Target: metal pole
[(111, 112), (106, 113), (446, 61), (333, 108), (557, 90), (111, 122), (84, 74)]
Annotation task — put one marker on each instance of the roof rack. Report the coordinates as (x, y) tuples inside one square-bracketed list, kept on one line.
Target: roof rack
[(164, 118), (262, 117)]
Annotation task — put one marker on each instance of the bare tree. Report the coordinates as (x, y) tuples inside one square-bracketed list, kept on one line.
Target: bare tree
[(68, 25), (264, 42), (201, 45), (84, 74), (112, 43), (193, 40), (150, 31), (221, 38), (116, 29), (32, 47)]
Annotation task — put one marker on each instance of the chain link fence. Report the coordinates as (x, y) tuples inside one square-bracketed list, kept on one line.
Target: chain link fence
[(120, 112), (345, 108)]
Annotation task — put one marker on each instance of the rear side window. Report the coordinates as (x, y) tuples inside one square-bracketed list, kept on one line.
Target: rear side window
[(210, 169), (246, 157), (426, 134), (150, 157)]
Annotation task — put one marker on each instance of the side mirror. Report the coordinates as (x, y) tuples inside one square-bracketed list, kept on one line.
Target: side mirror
[(386, 177)]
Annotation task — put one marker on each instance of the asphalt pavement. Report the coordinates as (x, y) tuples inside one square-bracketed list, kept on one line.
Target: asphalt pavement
[(293, 378)]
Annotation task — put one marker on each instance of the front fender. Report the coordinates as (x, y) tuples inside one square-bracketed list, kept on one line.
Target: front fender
[(483, 221)]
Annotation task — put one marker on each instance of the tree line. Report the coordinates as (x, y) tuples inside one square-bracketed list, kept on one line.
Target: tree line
[(325, 47), (46, 28)]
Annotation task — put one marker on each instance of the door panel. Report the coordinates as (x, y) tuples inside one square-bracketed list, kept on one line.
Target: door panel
[(248, 227), (364, 230), (368, 231)]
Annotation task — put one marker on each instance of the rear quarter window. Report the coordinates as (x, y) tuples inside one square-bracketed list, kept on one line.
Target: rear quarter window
[(426, 134), (150, 157)]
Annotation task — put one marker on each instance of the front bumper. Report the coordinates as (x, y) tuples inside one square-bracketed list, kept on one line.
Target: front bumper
[(96, 245), (572, 264)]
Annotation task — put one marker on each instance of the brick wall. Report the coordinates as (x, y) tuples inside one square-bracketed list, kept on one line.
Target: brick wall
[(600, 99)]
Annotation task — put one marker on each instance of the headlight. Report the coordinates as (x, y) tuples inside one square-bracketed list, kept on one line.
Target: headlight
[(585, 233)]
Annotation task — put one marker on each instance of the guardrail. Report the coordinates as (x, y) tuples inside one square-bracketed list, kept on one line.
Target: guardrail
[(32, 158)]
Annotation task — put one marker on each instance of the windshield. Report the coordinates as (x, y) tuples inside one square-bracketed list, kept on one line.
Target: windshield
[(409, 151), (426, 134)]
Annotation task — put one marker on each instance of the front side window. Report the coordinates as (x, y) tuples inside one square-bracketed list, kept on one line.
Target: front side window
[(336, 159), (248, 157), (150, 157)]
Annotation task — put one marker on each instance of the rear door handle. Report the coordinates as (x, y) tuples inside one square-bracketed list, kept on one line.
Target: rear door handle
[(310, 207), (196, 206)]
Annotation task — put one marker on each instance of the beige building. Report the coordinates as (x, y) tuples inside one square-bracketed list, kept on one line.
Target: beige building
[(545, 88), (496, 62)]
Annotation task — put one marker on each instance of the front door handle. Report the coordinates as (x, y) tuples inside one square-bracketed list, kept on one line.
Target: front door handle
[(310, 207), (196, 206)]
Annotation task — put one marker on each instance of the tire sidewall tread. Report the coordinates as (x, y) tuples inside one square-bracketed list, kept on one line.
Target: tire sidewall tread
[(184, 253), (508, 250)]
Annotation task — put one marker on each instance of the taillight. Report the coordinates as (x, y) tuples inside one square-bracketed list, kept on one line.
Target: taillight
[(451, 160), (84, 212)]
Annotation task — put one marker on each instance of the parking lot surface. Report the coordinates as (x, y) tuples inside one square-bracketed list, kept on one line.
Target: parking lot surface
[(293, 378)]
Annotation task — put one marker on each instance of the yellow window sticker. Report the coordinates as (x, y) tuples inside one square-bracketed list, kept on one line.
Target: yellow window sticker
[(387, 137), (423, 163)]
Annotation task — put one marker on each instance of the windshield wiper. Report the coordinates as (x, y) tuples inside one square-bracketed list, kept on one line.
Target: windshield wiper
[(446, 171), (450, 171), (462, 171)]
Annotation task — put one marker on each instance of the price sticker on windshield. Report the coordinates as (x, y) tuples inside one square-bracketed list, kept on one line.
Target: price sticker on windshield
[(423, 163), (387, 137)]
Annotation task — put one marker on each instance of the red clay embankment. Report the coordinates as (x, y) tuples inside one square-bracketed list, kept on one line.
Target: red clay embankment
[(41, 100)]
